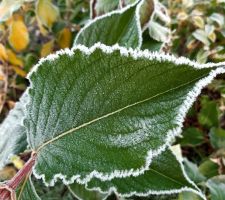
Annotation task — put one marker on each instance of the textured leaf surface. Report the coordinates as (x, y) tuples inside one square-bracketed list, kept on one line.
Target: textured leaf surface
[(102, 112), (12, 133), (122, 27), (165, 176)]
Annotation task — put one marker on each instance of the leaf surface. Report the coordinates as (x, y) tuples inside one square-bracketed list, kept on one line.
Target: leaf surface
[(122, 27), (12, 133), (107, 111)]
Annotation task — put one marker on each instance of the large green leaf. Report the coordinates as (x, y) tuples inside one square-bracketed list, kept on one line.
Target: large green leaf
[(122, 27), (12, 133), (165, 176), (106, 111)]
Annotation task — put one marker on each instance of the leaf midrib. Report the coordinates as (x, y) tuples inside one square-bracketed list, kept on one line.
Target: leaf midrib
[(110, 114)]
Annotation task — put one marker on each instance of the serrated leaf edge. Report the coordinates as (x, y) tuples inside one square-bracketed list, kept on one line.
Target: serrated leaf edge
[(192, 95), (154, 192)]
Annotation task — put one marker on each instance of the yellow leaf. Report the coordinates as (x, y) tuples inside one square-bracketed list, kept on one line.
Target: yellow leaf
[(212, 36), (13, 59), (18, 163), (199, 22), (182, 16), (42, 28), (18, 36), (2, 28), (3, 54), (19, 71), (64, 39), (47, 48), (46, 12)]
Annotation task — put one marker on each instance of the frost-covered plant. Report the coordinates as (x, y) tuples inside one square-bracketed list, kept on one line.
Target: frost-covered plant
[(104, 115)]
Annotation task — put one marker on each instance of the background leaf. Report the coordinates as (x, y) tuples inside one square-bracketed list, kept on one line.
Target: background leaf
[(13, 134)]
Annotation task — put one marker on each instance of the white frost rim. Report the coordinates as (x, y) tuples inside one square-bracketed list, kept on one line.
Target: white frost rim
[(155, 192), (121, 11), (192, 95), (150, 192)]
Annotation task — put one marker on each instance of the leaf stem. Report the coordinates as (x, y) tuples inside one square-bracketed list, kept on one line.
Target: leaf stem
[(7, 190)]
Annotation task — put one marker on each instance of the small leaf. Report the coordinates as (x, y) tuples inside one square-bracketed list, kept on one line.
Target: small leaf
[(18, 163), (13, 59), (218, 18), (158, 32), (19, 71), (217, 137), (191, 137), (11, 143), (209, 114), (216, 186), (47, 13), (188, 196), (201, 36), (188, 3), (193, 172), (199, 22), (7, 173), (65, 38), (209, 168), (47, 48), (202, 56), (18, 35), (3, 54)]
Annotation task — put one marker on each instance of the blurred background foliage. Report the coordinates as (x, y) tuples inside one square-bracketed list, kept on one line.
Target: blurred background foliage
[(195, 29)]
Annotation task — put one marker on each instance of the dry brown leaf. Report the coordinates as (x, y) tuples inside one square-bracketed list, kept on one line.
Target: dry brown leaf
[(7, 173)]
